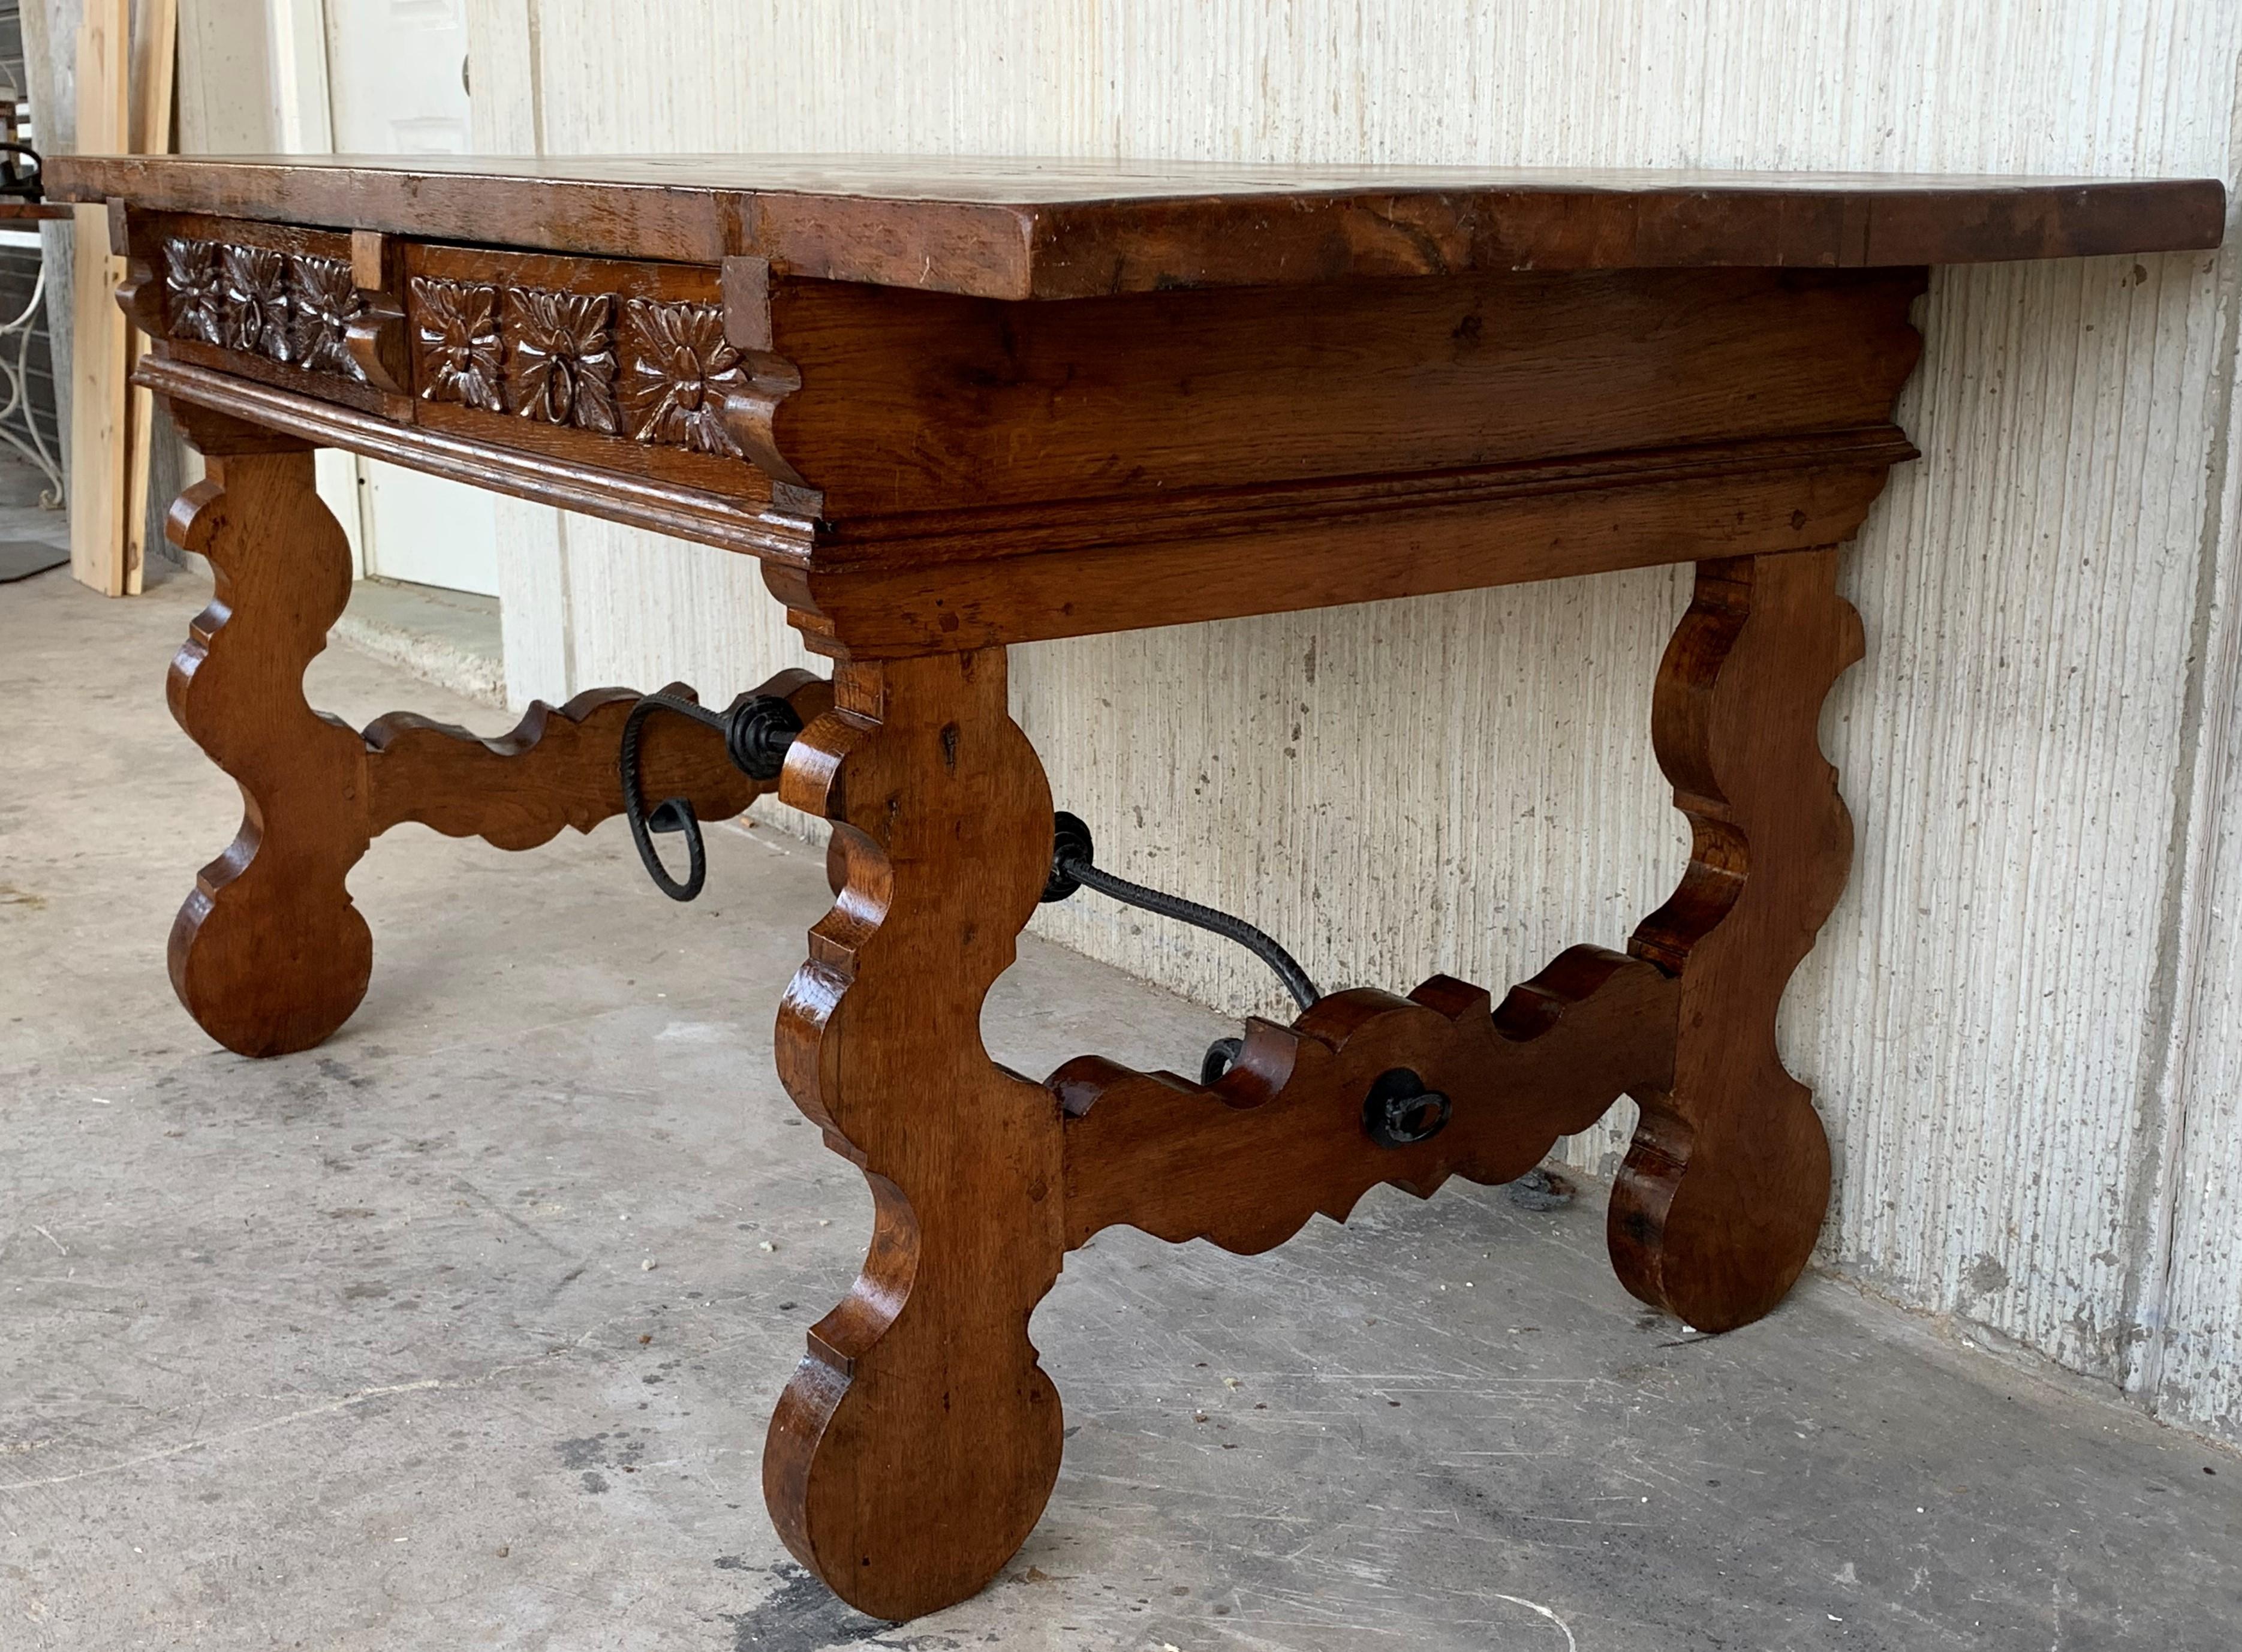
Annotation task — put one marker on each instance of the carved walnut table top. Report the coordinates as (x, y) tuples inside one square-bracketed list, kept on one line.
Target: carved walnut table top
[(845, 365), (952, 405)]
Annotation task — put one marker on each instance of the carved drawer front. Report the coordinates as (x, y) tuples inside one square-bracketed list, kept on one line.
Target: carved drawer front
[(613, 364), (599, 363), (267, 301)]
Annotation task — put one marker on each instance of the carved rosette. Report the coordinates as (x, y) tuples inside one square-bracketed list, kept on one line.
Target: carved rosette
[(253, 301), (651, 371), (456, 327), (296, 309), (322, 302), (560, 358), (678, 368), (659, 373), (193, 289)]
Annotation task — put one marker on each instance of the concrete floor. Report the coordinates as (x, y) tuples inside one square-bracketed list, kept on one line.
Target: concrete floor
[(362, 1349), (30, 533), (450, 638)]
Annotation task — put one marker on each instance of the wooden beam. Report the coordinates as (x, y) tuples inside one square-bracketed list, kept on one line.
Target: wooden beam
[(98, 326)]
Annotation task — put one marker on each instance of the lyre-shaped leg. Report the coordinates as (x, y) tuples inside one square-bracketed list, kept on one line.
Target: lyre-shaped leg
[(919, 1439), (268, 954), (1721, 1196)]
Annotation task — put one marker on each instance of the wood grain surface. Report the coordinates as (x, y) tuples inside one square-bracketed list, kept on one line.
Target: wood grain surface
[(1279, 555), (910, 403), (100, 343), (524, 472), (1722, 1193), (923, 472), (1047, 229), (269, 953), (557, 766), (1245, 1162), (916, 1445)]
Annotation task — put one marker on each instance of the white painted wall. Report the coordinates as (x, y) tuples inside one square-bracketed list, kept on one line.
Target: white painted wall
[(2024, 1022), (394, 73), (253, 80)]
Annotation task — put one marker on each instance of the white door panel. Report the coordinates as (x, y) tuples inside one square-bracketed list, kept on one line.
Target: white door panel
[(396, 77), (429, 531), (396, 71)]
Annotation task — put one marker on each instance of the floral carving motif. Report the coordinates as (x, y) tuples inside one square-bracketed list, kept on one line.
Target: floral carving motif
[(661, 377), (253, 301), (657, 372), (320, 306), (560, 358), (191, 275), (678, 370), (457, 325), (296, 309)]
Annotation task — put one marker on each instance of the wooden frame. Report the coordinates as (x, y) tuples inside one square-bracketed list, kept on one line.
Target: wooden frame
[(99, 338), (957, 410)]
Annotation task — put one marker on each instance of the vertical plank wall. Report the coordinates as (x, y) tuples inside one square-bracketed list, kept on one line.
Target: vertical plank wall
[(2023, 1022)]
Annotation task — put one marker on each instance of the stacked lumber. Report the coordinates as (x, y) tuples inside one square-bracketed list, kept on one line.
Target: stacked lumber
[(110, 428)]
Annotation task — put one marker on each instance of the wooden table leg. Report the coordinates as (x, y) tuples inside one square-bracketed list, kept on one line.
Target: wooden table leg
[(919, 1439), (1724, 1192), (268, 954)]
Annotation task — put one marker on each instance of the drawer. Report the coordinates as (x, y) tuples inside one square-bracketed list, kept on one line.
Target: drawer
[(610, 365), (266, 301), (585, 359)]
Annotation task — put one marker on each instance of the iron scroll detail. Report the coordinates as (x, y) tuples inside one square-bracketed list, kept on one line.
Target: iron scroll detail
[(758, 730)]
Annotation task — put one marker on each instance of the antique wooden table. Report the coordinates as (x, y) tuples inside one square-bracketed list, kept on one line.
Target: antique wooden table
[(954, 406)]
